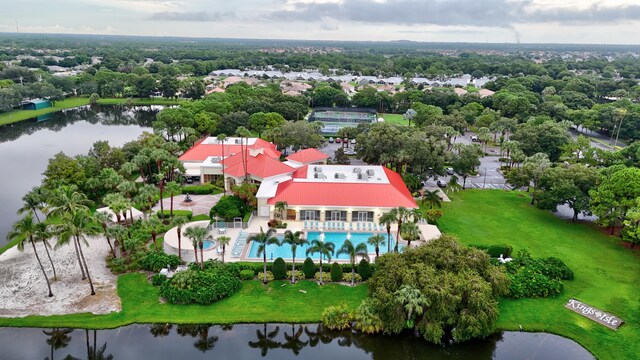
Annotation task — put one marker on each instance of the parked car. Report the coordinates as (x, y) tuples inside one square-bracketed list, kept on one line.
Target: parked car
[(189, 180), (441, 184), (331, 140), (474, 138), (450, 171), (349, 152), (338, 140)]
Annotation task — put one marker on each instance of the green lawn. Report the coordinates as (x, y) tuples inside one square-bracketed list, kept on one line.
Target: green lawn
[(607, 275), (20, 115), (395, 119), (253, 303)]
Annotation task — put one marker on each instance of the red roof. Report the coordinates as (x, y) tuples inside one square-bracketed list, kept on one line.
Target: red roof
[(308, 156), (389, 195), (261, 166), (200, 151)]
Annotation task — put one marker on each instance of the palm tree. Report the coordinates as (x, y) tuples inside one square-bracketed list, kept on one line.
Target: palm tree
[(172, 188), (243, 133), (128, 189), (353, 251), (43, 235), (75, 227), (388, 218), (118, 233), (152, 225), (325, 249), (432, 198), (25, 229), (294, 239), (221, 139), (265, 340), (196, 234), (412, 300), (281, 206), (263, 239), (117, 204), (147, 195), (178, 222), (410, 232), (376, 240), (103, 218), (401, 214), (33, 201), (224, 241)]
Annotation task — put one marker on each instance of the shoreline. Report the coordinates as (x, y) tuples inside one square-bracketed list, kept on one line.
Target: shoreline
[(14, 116)]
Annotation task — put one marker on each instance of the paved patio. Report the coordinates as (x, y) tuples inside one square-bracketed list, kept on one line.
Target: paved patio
[(201, 204)]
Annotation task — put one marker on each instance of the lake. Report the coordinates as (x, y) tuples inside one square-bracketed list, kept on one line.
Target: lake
[(26, 147), (269, 341)]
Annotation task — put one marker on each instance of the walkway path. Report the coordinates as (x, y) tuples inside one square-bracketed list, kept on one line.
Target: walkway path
[(201, 204)]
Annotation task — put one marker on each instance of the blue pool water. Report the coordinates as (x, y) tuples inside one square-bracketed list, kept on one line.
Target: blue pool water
[(208, 244), (338, 238)]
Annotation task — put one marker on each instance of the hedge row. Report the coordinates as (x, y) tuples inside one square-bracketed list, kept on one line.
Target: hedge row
[(201, 189), (257, 266), (167, 213)]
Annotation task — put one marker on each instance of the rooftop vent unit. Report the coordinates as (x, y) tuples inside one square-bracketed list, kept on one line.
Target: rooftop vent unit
[(319, 176), (340, 176), (370, 172), (317, 169), (215, 160), (362, 176), (357, 170)]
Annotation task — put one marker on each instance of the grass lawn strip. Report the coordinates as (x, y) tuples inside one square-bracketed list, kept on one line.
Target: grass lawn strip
[(395, 119), (20, 115), (253, 303), (606, 274)]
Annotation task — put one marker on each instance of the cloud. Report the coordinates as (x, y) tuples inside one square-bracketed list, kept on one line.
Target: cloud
[(474, 13), (495, 13), (199, 16), (596, 13)]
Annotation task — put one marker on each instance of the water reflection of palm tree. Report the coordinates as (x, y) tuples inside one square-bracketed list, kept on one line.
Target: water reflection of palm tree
[(265, 340), (321, 335), (93, 353), (293, 342), (160, 330), (58, 339), (204, 342)]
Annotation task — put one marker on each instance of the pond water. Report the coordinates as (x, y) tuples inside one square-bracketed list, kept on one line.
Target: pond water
[(26, 147), (269, 341)]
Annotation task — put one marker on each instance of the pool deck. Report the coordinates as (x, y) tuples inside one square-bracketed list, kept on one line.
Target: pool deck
[(429, 232)]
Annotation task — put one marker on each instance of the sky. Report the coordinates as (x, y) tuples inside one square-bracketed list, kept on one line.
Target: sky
[(494, 21)]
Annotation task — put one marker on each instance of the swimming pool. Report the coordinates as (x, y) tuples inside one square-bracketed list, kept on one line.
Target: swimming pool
[(338, 238), (208, 244)]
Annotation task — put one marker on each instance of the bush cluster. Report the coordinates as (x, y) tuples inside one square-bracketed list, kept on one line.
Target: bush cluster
[(247, 274), (308, 268), (337, 317), (495, 250), (167, 214), (269, 276), (346, 277), (326, 277), (279, 269), (298, 276), (364, 269), (156, 261), (536, 278), (336, 272), (276, 223), (201, 189), (157, 279), (206, 286)]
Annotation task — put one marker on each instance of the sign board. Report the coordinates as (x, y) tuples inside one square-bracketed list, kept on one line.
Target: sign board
[(597, 315)]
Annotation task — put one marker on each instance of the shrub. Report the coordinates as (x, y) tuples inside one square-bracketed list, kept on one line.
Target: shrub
[(201, 189), (157, 279), (346, 277), (432, 216), (336, 317), (269, 276), (366, 319), (156, 261), (228, 207), (247, 274), (200, 286), (364, 269), (279, 269), (326, 277), (308, 268), (336, 272), (167, 214), (495, 250), (536, 278), (117, 265), (299, 275)]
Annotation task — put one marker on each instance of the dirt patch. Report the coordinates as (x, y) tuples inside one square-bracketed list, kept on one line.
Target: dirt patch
[(23, 290)]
